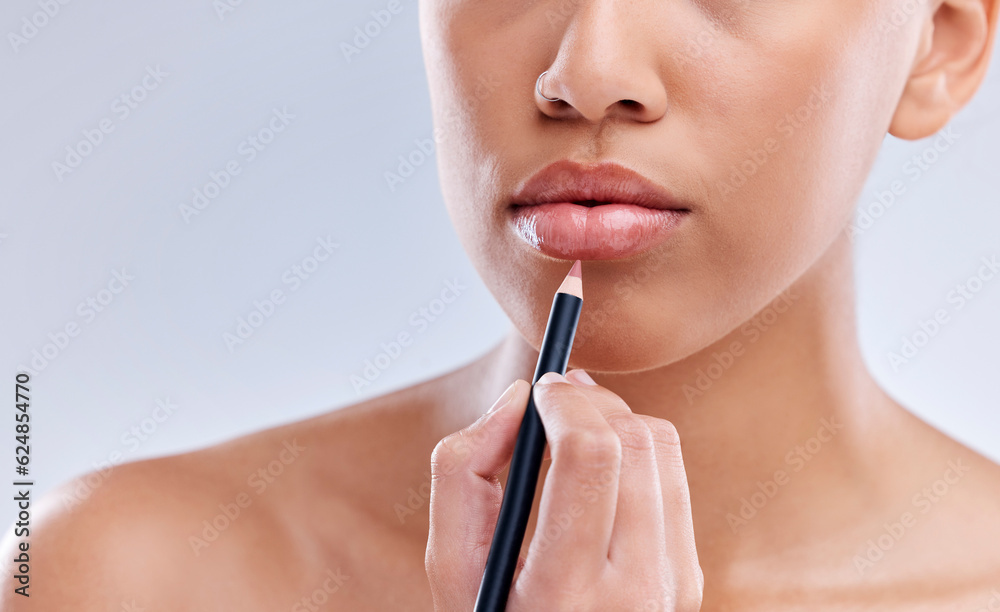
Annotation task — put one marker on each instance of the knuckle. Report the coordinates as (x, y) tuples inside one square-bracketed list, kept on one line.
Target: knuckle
[(609, 402), (663, 431), (690, 601), (593, 448), (556, 394), (667, 441), (687, 587), (448, 455), (634, 434)]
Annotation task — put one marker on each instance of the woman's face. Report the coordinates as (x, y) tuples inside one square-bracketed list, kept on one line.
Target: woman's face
[(761, 116)]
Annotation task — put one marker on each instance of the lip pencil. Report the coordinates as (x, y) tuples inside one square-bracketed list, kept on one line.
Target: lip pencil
[(519, 492)]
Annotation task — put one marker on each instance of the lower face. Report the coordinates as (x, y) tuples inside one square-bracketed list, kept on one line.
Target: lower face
[(775, 111)]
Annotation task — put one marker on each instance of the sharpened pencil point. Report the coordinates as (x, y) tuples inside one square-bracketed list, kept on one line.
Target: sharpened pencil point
[(573, 283)]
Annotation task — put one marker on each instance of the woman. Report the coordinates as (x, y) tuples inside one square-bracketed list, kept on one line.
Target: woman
[(727, 142)]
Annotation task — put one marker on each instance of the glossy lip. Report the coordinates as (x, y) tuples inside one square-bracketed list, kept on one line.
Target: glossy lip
[(604, 211)]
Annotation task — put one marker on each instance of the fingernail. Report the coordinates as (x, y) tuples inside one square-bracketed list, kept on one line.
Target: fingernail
[(550, 377), (504, 398), (582, 376)]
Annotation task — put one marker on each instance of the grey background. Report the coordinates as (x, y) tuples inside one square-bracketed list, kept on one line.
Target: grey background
[(161, 339)]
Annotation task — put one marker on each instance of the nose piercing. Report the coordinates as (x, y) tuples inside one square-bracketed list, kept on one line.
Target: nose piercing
[(538, 87)]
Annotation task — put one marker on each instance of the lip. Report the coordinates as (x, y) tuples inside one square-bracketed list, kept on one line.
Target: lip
[(569, 210)]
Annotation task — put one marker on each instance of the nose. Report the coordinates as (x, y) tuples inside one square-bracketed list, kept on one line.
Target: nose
[(605, 66)]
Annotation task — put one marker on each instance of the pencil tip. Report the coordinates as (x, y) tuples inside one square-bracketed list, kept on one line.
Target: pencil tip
[(573, 283)]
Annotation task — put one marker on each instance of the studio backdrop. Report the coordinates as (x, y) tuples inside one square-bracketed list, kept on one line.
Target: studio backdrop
[(222, 215)]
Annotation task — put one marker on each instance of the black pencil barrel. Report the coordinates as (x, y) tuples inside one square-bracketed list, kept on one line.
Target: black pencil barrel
[(519, 492)]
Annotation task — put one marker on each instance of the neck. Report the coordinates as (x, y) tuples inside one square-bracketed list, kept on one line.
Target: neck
[(787, 391)]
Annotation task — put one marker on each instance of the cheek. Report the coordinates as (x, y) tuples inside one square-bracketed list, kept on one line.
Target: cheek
[(786, 121)]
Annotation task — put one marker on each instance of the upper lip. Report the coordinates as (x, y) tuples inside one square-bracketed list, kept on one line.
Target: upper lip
[(602, 183)]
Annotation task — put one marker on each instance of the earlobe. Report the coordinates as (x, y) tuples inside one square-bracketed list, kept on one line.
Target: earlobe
[(924, 108), (951, 61)]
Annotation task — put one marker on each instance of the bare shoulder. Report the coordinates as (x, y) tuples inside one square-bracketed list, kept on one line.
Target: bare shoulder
[(126, 538), (252, 524), (955, 473), (943, 535)]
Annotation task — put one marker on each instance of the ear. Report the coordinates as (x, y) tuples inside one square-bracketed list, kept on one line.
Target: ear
[(956, 43)]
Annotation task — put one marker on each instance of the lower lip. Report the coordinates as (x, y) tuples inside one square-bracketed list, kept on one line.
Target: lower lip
[(608, 231)]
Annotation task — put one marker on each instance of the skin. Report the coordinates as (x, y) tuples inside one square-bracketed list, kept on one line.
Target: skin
[(680, 92)]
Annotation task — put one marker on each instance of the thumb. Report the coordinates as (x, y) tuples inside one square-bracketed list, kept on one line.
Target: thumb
[(465, 498)]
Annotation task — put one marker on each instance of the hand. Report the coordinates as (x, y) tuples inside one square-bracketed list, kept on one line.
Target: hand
[(614, 529)]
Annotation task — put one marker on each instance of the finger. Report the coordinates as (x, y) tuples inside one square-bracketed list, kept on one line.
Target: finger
[(676, 496), (547, 455), (465, 499), (584, 474), (674, 491), (674, 506), (638, 533)]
